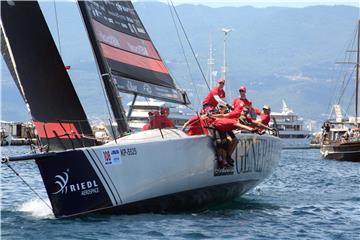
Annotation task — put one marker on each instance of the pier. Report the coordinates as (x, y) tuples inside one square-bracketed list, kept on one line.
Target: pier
[(17, 133)]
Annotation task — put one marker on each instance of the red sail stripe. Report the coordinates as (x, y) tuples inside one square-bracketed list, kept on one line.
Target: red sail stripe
[(125, 41), (133, 59), (70, 128)]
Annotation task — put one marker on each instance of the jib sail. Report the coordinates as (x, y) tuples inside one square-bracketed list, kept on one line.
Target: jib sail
[(127, 50), (36, 66)]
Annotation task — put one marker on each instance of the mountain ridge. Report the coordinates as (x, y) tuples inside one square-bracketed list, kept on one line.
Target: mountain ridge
[(277, 52)]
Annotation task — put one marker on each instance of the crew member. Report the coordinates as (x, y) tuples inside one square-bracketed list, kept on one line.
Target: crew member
[(165, 122), (147, 126), (159, 120), (241, 102), (225, 143), (265, 115), (264, 118), (215, 96), (245, 119)]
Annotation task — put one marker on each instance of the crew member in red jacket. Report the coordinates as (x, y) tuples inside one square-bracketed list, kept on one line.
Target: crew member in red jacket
[(264, 119), (215, 96), (265, 115), (159, 120), (241, 102), (164, 118)]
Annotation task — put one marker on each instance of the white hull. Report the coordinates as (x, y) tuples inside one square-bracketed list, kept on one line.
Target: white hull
[(145, 166)]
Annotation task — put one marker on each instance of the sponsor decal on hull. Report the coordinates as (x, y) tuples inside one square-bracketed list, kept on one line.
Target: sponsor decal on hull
[(84, 187), (72, 184), (112, 156), (250, 156)]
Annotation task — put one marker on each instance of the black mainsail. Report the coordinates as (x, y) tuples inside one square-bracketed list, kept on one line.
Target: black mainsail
[(126, 51), (38, 71)]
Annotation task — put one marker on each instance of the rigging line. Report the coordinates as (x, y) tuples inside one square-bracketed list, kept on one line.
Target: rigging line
[(341, 73), (57, 27), (347, 76), (350, 102), (38, 195), (105, 96), (345, 85), (188, 41), (183, 51), (339, 88)]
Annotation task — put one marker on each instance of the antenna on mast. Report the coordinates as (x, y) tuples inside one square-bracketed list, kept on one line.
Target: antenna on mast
[(211, 62), (224, 70)]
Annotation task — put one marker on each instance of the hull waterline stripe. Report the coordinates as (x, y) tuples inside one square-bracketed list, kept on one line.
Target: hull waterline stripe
[(108, 177), (113, 198)]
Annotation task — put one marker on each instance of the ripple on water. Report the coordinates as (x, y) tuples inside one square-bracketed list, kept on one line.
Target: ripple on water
[(306, 197)]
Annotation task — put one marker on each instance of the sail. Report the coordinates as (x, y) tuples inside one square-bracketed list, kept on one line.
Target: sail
[(38, 71), (127, 50)]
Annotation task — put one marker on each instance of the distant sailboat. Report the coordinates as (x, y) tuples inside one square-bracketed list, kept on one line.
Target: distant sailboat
[(157, 170), (341, 138)]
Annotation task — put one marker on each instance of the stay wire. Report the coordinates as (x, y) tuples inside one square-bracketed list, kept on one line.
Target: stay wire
[(57, 27), (350, 102), (183, 51), (38, 195), (188, 41), (346, 75), (342, 73)]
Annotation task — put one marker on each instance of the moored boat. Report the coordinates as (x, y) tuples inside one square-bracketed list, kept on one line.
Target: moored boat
[(291, 128), (341, 137)]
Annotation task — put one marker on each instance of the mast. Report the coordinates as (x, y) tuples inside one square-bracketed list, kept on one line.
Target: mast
[(224, 68), (105, 71), (357, 74)]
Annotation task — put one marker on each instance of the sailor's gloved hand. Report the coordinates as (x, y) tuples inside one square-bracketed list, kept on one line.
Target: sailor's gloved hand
[(229, 106)]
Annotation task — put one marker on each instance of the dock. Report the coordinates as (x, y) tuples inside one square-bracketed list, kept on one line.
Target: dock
[(17, 133)]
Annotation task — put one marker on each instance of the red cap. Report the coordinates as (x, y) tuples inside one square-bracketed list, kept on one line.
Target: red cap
[(221, 80), (242, 88)]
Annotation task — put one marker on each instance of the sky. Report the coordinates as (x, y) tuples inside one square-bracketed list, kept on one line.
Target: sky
[(264, 3)]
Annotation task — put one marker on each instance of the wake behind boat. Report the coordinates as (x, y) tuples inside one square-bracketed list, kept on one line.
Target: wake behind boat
[(157, 170)]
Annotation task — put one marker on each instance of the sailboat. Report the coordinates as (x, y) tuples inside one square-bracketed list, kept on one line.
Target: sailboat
[(160, 170), (341, 137)]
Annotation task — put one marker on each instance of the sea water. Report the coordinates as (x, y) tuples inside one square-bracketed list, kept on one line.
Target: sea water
[(305, 198)]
